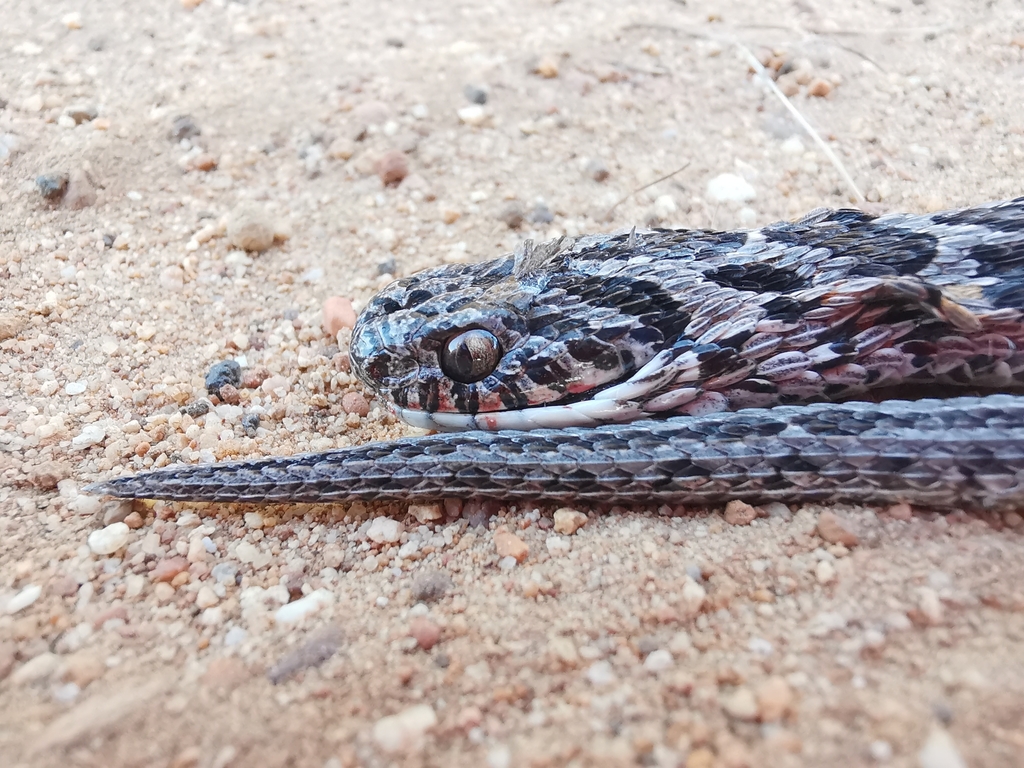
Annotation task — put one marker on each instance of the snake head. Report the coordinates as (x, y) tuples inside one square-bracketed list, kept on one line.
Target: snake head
[(489, 344)]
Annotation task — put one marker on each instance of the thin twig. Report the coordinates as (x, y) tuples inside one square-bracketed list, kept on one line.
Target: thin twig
[(680, 169), (824, 147)]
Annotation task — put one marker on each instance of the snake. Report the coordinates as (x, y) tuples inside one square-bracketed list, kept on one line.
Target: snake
[(844, 356)]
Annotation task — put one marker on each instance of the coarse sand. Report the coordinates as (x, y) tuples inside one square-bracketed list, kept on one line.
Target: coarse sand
[(183, 183)]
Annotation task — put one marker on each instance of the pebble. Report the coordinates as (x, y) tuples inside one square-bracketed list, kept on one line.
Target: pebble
[(425, 631), (558, 545), (930, 606), (252, 378), (23, 599), (392, 167), (424, 513), (596, 169), (513, 214), (342, 148), (431, 586), (354, 402), (204, 162), (545, 66), (183, 127), (901, 511), (338, 314), (206, 597), (116, 511), (774, 700), (693, 596), (385, 530), (568, 521), (36, 670), (321, 646), (474, 115), (370, 113), (80, 191), (600, 673), (86, 506), (739, 513), (83, 668), (406, 731), (82, 113), (52, 185), (659, 661), (939, 751), (507, 544), (11, 326), (168, 568), (197, 408), (730, 188), (880, 751), (835, 530), (224, 372), (297, 610), (163, 592), (825, 572), (250, 230), (228, 393), (741, 704), (235, 636), (819, 87), (475, 94), (107, 541), (777, 510)]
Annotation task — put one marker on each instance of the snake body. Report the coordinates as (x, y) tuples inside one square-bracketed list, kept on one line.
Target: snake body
[(733, 356)]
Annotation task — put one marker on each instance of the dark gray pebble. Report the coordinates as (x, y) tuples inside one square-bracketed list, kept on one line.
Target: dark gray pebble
[(52, 185), (224, 372), (475, 94), (183, 127), (197, 408), (250, 423)]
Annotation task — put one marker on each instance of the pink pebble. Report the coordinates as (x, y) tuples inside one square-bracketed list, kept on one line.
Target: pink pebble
[(338, 314)]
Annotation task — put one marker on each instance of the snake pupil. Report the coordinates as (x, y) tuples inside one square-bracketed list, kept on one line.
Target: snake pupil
[(470, 356)]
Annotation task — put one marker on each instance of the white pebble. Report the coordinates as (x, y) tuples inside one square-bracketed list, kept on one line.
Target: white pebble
[(880, 751), (600, 673), (730, 188), (23, 599), (91, 434), (235, 636), (665, 207), (793, 146), (558, 545), (474, 114), (304, 606), (107, 541), (404, 732), (75, 387), (658, 661), (825, 572), (384, 530)]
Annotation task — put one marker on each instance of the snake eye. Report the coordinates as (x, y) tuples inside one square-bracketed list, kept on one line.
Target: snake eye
[(470, 356)]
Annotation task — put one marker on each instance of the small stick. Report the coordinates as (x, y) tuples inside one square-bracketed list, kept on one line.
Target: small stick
[(680, 169), (833, 158)]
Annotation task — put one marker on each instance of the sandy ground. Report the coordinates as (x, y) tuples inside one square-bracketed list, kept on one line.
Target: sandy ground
[(214, 636)]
